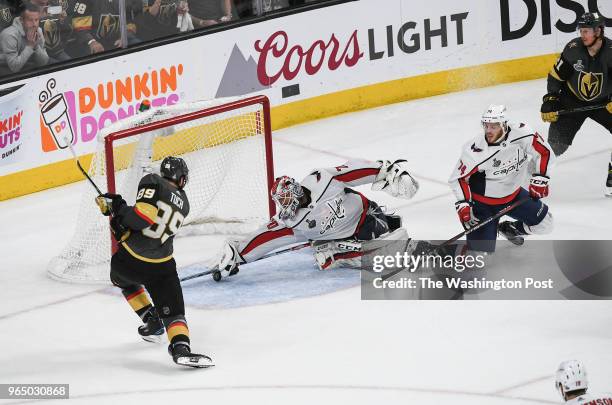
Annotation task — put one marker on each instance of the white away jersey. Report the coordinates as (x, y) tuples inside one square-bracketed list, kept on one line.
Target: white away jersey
[(591, 399), (335, 211), (493, 174)]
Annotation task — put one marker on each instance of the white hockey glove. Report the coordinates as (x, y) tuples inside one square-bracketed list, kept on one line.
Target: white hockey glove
[(230, 258), (394, 179)]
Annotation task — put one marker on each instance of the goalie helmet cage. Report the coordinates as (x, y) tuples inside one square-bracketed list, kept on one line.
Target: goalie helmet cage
[(227, 144)]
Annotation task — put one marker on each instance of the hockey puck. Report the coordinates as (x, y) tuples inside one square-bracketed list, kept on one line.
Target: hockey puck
[(217, 276)]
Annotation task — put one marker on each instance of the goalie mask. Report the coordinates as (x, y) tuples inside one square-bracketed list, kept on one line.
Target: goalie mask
[(286, 193), (175, 169)]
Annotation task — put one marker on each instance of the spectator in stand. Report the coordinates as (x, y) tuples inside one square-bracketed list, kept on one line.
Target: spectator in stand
[(23, 44), (96, 25), (162, 18), (250, 8), (243, 8), (205, 13), (8, 11), (56, 29)]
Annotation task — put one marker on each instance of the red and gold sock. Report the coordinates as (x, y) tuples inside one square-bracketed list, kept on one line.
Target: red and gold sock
[(177, 329), (138, 300)]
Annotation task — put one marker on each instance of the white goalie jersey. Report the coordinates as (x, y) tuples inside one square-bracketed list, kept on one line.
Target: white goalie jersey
[(335, 211), (493, 174)]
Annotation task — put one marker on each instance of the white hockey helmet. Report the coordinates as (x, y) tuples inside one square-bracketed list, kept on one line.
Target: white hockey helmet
[(495, 114), (571, 376)]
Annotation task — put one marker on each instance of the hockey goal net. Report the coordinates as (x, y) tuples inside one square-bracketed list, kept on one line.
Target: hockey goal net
[(228, 149)]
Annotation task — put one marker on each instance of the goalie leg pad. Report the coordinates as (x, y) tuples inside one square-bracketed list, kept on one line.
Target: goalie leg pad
[(333, 254)]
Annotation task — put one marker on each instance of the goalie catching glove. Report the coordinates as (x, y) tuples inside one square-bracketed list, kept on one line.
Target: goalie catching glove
[(230, 258), (394, 179)]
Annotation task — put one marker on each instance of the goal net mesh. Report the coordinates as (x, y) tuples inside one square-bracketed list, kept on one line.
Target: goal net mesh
[(224, 144)]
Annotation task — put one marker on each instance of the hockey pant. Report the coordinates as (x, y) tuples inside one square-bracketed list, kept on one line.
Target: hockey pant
[(533, 217)]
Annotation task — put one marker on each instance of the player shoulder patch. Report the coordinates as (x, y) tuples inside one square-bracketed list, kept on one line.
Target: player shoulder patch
[(317, 175), (475, 148)]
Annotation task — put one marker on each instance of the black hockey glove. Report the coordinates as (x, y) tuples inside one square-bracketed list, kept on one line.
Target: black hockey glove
[(110, 203), (551, 105), (115, 201), (120, 231)]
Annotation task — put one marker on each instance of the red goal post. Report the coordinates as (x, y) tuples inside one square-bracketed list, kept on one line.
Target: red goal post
[(266, 131)]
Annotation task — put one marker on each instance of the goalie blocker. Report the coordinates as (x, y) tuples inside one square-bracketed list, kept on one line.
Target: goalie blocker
[(323, 209)]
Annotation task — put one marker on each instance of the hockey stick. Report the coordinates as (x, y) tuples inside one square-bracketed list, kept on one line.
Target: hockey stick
[(144, 106), (581, 109), (468, 231), (81, 167), (217, 273)]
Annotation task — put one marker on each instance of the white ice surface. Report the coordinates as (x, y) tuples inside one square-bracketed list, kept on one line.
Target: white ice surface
[(317, 345)]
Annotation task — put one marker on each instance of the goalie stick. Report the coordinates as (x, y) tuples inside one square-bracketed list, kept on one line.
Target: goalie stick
[(217, 273), (468, 231)]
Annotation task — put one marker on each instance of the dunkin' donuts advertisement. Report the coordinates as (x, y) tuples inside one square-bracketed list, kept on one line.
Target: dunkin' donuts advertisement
[(76, 115), (41, 118), (12, 118), (56, 119)]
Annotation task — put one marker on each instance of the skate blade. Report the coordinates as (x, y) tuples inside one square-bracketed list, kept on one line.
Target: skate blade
[(196, 362), (153, 338), (518, 241)]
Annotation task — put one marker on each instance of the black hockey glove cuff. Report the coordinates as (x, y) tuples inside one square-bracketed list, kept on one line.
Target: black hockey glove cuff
[(551, 103), (120, 231)]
